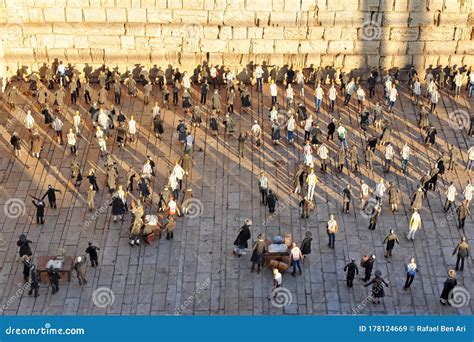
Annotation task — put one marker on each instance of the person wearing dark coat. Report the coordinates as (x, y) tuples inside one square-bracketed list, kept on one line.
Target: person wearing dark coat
[(331, 130), (182, 131), (271, 201), (377, 287), (40, 205), (92, 251), (119, 207), (54, 279), (430, 136), (346, 199), (15, 141), (26, 267), (51, 193), (417, 199), (448, 287), (34, 281), (93, 180), (390, 239), (463, 213), (259, 250), (375, 216), (351, 270), (433, 178), (368, 265), (24, 245), (305, 206), (305, 246), (243, 235), (462, 250)]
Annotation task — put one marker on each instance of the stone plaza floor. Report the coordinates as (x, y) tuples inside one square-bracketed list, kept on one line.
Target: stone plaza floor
[(197, 273)]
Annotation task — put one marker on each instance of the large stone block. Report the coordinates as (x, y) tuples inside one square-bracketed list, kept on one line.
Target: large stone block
[(239, 46), (367, 47), (332, 33), (136, 15), (63, 41), (116, 15), (465, 47), (349, 34), (94, 15), (287, 46), (315, 47), (273, 33), (156, 16), (443, 33), (456, 60), (341, 46), (286, 18), (352, 62), (421, 18), (212, 45), (396, 19), (225, 33), (134, 29), (441, 48), (348, 18), (404, 34), (297, 33), (454, 19), (74, 15), (260, 5), (36, 15), (153, 30), (239, 32), (211, 32), (325, 19), (193, 4), (97, 41), (81, 42), (262, 46), (191, 45), (54, 15), (216, 17), (292, 5), (393, 48), (239, 18), (316, 33), (127, 42), (262, 19), (416, 48), (255, 32), (33, 29), (190, 16)]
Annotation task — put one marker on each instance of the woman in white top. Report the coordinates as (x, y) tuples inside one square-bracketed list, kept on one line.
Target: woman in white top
[(332, 97), (132, 129), (99, 134), (416, 91), (76, 121), (273, 92), (290, 127), (71, 141), (289, 96), (29, 121)]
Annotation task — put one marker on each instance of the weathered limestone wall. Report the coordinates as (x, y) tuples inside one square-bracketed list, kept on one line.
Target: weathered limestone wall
[(349, 33)]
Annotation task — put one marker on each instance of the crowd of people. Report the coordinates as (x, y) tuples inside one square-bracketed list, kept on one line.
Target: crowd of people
[(57, 89)]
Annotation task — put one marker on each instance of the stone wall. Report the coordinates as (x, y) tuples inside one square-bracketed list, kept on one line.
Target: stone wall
[(349, 33)]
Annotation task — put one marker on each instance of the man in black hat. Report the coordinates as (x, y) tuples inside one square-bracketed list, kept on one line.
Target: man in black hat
[(39, 204), (51, 193), (54, 279), (92, 251), (352, 270), (34, 278)]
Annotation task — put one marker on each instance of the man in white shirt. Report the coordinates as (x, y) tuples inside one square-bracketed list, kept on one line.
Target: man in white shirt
[(99, 134), (467, 193), (450, 196), (307, 127), (132, 130), (263, 187), (213, 74), (256, 131), (332, 97), (259, 77), (434, 99), (311, 180), (178, 171), (290, 127), (380, 191), (388, 156), (29, 121), (58, 128), (392, 97), (61, 72), (405, 157), (296, 257), (364, 195), (323, 154), (71, 141), (273, 92), (332, 228), (470, 158), (414, 225), (318, 97)]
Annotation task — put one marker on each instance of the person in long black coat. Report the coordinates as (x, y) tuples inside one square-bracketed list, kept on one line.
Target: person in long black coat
[(305, 246), (448, 286), (51, 193), (40, 205), (48, 119), (34, 281), (331, 129), (368, 266), (258, 253), (271, 201), (93, 180), (119, 207), (24, 245), (377, 287), (92, 251), (243, 235), (54, 279), (351, 270)]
